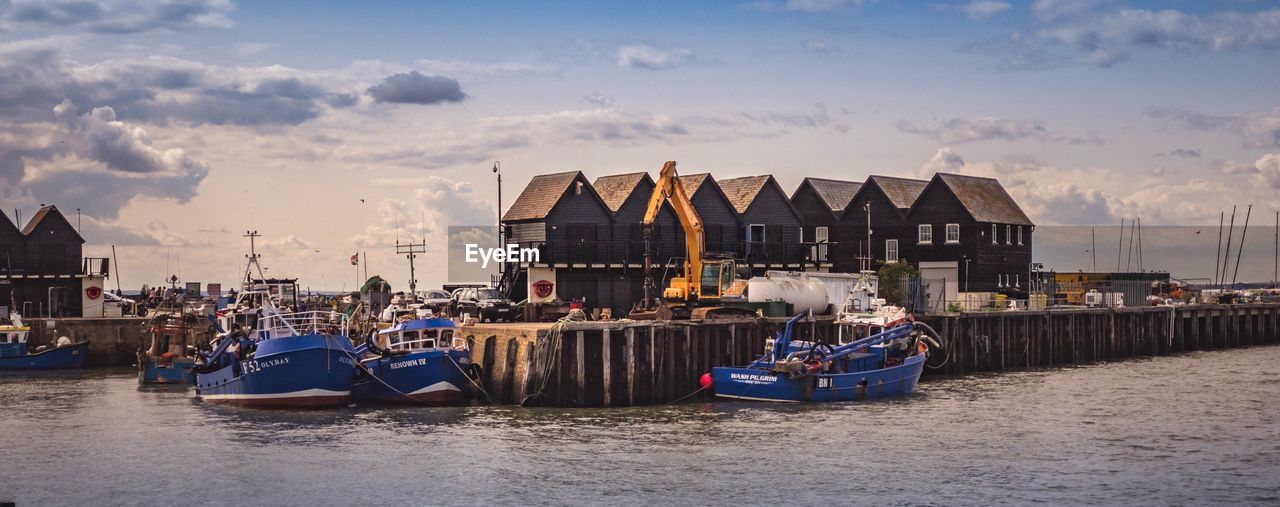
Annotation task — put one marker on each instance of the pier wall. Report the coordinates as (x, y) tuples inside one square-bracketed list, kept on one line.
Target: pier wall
[(597, 364), (112, 341)]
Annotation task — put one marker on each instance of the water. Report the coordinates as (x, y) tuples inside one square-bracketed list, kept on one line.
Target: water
[(1201, 428)]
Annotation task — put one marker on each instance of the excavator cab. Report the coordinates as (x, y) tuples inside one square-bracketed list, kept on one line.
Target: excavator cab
[(717, 277)]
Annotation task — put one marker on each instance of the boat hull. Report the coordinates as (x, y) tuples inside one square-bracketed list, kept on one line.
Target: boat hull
[(58, 358), (434, 377), (307, 371), (763, 385), (176, 371)]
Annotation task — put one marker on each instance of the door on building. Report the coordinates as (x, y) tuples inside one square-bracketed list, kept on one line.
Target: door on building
[(754, 242), (942, 283), (582, 242), (820, 237)]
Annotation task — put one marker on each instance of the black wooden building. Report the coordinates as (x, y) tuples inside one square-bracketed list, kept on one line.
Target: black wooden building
[(721, 229), (770, 225), (42, 268), (820, 202), (888, 200), (970, 230)]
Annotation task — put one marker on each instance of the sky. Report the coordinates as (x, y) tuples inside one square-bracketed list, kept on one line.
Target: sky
[(174, 126)]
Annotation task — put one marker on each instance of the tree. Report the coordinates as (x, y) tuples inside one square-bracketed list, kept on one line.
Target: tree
[(894, 277)]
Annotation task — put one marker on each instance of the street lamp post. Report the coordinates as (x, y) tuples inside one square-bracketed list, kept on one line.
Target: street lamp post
[(497, 169)]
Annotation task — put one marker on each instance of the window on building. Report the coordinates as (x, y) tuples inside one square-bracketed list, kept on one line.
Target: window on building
[(1019, 235), (926, 234), (995, 229), (755, 236), (953, 233), (891, 250), (1008, 234), (820, 236)]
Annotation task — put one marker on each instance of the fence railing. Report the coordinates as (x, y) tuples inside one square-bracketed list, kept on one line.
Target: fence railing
[(633, 252), (282, 325)]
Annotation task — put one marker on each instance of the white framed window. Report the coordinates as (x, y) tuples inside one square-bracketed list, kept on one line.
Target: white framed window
[(953, 234), (1008, 234), (1019, 235), (820, 236), (925, 234), (891, 250), (995, 229)]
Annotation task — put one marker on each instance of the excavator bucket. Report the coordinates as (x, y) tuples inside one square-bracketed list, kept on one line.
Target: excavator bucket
[(647, 311), (721, 312)]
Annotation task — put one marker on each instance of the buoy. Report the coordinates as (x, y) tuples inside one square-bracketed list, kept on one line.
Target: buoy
[(706, 381)]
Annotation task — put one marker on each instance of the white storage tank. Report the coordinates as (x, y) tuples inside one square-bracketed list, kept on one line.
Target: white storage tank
[(803, 293)]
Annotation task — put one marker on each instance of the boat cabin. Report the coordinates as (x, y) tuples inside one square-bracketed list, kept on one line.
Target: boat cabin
[(423, 334), (13, 338)]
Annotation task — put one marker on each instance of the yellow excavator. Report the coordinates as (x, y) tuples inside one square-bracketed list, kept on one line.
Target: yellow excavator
[(704, 283)]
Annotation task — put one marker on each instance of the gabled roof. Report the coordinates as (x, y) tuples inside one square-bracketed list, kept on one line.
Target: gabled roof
[(692, 182), (836, 194), (985, 199), (5, 223), (902, 192), (743, 191), (46, 213), (540, 196), (615, 189)]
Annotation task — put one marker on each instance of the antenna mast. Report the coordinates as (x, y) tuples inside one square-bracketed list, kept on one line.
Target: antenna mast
[(411, 250), (253, 258)]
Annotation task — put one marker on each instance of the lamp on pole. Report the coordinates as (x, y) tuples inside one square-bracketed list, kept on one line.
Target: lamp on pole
[(497, 169)]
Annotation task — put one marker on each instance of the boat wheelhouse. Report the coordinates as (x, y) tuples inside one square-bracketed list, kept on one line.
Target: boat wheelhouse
[(420, 361)]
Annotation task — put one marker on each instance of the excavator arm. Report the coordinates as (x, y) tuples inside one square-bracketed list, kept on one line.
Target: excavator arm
[(670, 189)]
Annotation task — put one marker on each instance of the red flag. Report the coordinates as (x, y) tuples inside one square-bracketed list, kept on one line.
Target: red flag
[(355, 259)]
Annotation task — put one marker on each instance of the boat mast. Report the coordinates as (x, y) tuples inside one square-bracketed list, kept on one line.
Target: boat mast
[(1240, 251), (411, 250), (253, 260)]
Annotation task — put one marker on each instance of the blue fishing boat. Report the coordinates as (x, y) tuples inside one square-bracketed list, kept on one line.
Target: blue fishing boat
[(270, 356), (14, 355), (419, 361), (884, 364), (170, 355)]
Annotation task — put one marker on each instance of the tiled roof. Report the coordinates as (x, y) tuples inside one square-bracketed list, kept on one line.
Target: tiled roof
[(615, 189), (742, 191), (985, 199), (835, 193), (542, 194), (36, 219), (902, 192), (692, 182)]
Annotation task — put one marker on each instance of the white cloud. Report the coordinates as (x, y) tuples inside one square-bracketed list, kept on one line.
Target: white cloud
[(982, 9), (966, 130), (1256, 129), (117, 16), (810, 6), (1107, 37), (646, 57)]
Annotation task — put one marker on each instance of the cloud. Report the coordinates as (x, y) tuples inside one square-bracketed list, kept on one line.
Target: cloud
[(116, 16), (437, 204), (1268, 167), (982, 9), (1107, 37), (819, 117), (485, 69), (819, 47), (1256, 129), (646, 57), (1230, 167), (416, 88), (1181, 152), (810, 6), (966, 130), (599, 99)]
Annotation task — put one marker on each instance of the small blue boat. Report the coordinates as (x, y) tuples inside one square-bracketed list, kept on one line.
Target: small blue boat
[(419, 361), (169, 358), (881, 365), (15, 356)]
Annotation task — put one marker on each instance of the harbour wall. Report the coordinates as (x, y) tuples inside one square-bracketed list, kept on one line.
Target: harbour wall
[(113, 341), (603, 364)]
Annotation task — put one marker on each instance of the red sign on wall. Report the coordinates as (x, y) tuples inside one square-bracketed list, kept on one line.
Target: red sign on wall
[(543, 288), (93, 292)]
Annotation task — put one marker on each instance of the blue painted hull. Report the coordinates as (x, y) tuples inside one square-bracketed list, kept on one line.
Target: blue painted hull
[(307, 371), (176, 371), (59, 358), (763, 385), (433, 377)]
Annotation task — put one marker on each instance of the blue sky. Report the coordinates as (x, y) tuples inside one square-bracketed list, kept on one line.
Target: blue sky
[(176, 124)]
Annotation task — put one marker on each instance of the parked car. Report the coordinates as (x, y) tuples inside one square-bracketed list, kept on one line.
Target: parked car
[(486, 304), (127, 306), (437, 300)]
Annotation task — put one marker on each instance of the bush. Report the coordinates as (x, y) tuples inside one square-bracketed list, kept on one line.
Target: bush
[(894, 277)]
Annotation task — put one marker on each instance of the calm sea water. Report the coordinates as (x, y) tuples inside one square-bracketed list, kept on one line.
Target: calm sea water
[(1201, 428)]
